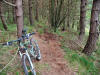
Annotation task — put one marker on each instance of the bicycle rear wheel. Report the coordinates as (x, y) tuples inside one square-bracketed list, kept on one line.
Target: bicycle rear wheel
[(36, 49), (27, 65)]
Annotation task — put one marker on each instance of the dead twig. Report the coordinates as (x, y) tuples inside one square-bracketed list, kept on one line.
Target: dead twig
[(9, 3)]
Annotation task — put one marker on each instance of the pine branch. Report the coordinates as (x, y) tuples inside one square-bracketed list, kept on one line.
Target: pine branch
[(9, 3)]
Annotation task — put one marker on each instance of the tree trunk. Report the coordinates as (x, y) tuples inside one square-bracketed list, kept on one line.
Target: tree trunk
[(19, 17), (8, 16), (14, 12), (68, 17), (82, 18), (30, 12), (73, 24), (63, 27), (94, 24), (2, 17), (36, 17), (55, 13)]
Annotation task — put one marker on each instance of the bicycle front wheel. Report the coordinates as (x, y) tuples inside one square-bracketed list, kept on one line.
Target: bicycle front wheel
[(27, 66)]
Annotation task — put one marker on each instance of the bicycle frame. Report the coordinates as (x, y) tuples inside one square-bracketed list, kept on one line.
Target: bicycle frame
[(26, 53)]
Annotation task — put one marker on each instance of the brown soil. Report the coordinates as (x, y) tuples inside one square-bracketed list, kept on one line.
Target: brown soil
[(52, 63), (53, 55)]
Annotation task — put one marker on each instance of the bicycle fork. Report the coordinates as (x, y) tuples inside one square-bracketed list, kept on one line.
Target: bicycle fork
[(26, 53)]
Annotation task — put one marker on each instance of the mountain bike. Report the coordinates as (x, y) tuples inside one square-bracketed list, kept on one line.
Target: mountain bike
[(27, 46)]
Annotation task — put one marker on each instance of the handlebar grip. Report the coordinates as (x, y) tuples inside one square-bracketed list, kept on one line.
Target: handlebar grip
[(8, 43)]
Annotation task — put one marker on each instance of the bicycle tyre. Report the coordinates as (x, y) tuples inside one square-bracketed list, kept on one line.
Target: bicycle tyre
[(36, 48), (24, 64)]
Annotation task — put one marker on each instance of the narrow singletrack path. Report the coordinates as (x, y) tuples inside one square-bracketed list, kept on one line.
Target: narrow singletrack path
[(53, 55)]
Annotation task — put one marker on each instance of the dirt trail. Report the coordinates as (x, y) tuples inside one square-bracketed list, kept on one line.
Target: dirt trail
[(52, 55)]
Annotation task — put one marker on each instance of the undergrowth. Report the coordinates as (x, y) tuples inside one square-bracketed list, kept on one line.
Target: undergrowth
[(81, 64)]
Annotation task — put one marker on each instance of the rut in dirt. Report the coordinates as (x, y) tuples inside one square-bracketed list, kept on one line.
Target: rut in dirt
[(53, 55)]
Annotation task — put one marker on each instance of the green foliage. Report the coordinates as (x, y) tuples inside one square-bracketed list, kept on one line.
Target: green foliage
[(85, 65), (26, 21), (12, 27), (83, 62), (58, 32), (3, 73), (17, 73), (41, 26), (1, 26)]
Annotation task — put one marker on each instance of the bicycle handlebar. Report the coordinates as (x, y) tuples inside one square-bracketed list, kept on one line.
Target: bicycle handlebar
[(19, 39)]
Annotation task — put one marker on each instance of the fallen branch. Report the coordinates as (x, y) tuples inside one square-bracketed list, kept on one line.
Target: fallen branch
[(9, 3)]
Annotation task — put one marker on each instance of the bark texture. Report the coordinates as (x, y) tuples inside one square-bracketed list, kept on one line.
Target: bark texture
[(94, 26), (19, 17), (14, 12), (82, 18), (36, 17), (30, 12)]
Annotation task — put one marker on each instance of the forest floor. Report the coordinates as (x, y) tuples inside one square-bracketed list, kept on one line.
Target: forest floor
[(61, 55), (52, 56), (52, 62)]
